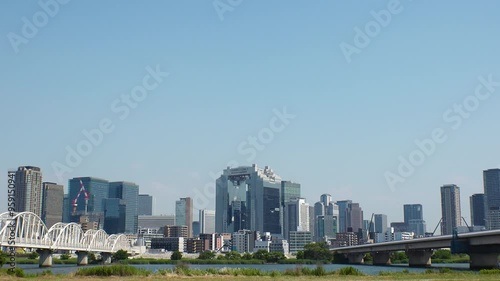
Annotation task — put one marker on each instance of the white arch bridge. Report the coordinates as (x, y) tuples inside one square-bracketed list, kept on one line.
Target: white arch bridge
[(27, 230)]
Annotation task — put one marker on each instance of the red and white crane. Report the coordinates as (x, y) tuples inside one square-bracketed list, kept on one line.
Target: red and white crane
[(87, 196)]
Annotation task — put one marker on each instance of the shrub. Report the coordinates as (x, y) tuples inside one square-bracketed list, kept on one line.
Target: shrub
[(33, 256), (3, 258), (115, 270), (445, 270), (120, 255), (346, 271), (176, 256), (64, 257), (489, 271), (207, 256)]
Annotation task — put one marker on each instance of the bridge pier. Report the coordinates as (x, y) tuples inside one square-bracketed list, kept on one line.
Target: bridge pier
[(381, 258), (419, 258), (483, 260), (83, 258), (106, 258), (45, 258), (356, 258)]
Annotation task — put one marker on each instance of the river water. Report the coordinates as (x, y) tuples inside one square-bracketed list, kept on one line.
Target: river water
[(366, 269)]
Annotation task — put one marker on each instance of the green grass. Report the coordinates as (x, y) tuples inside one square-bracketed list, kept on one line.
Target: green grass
[(114, 270)]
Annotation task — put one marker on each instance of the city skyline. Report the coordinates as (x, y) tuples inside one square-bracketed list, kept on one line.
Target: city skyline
[(276, 91)]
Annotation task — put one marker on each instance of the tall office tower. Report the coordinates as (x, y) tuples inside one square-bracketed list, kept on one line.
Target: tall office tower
[(289, 191), (97, 190), (248, 198), (331, 225), (207, 221), (354, 217), (196, 229), (66, 209), (115, 215), (319, 230), (380, 223), (492, 194), (184, 214), (128, 192), (312, 221), (478, 210), (319, 209), (52, 203), (414, 219), (29, 192), (145, 205), (326, 199), (450, 207), (297, 216), (343, 206)]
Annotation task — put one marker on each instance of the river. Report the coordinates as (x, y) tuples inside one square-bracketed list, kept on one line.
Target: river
[(366, 269)]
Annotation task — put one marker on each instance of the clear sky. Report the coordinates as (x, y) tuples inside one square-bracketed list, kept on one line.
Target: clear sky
[(230, 70)]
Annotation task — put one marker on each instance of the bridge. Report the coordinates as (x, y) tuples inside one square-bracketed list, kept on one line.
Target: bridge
[(27, 230), (482, 247)]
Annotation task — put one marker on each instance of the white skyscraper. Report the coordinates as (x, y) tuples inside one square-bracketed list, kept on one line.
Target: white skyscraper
[(207, 221)]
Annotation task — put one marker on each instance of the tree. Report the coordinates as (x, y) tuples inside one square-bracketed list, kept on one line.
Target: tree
[(33, 256), (207, 256), (318, 252), (261, 255), (121, 255), (300, 255), (442, 254), (3, 258), (176, 256), (275, 257), (233, 256), (247, 256), (64, 257)]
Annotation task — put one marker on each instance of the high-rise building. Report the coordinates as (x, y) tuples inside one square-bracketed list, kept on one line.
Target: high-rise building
[(289, 190), (244, 241), (115, 213), (319, 209), (478, 210), (29, 192), (196, 229), (52, 203), (207, 221), (413, 212), (312, 221), (97, 189), (354, 217), (414, 219), (66, 209), (326, 199), (184, 214), (450, 208), (492, 194), (145, 205), (248, 198), (129, 193), (296, 216), (380, 223), (343, 206)]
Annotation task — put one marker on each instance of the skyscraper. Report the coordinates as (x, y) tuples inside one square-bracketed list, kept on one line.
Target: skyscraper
[(492, 194), (478, 210), (184, 214), (414, 219), (248, 198), (450, 208), (343, 206), (326, 199), (145, 205), (29, 192), (297, 216), (52, 203), (115, 215), (129, 193), (97, 189), (289, 190), (354, 217), (380, 223), (207, 221)]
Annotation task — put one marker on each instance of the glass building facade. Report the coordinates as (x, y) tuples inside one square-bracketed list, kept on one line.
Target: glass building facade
[(145, 205), (114, 215), (248, 198), (29, 191), (52, 203), (129, 193), (98, 190), (492, 194), (478, 210)]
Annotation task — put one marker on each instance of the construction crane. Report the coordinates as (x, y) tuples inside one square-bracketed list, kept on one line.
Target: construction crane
[(87, 196)]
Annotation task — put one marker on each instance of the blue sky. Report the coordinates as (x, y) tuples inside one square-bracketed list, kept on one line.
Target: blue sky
[(226, 78)]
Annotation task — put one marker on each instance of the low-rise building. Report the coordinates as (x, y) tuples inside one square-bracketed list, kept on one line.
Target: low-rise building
[(298, 240), (168, 244)]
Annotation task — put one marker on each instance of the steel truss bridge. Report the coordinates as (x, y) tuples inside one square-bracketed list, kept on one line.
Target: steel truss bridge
[(27, 230)]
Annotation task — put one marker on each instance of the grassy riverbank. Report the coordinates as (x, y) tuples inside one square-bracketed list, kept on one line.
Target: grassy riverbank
[(130, 273)]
